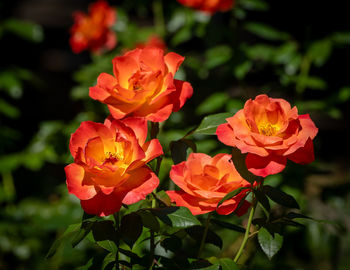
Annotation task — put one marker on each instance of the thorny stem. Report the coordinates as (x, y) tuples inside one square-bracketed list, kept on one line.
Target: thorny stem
[(204, 235), (246, 235)]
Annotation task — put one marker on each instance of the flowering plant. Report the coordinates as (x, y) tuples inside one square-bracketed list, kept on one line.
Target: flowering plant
[(118, 164)]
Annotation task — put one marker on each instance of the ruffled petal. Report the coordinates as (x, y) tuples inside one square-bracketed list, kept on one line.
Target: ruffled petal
[(77, 184), (303, 155), (192, 203), (141, 183), (102, 204), (264, 166)]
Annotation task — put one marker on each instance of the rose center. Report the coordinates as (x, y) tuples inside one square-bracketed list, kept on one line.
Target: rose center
[(112, 158), (267, 129)]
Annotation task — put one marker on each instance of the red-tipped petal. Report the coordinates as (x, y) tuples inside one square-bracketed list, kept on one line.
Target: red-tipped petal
[(139, 126), (303, 155), (173, 61), (152, 150), (76, 184), (192, 203), (141, 183), (103, 205), (225, 134), (183, 92), (264, 166)]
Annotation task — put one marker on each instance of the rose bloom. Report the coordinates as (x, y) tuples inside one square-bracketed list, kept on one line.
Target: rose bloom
[(204, 181), (209, 6), (143, 85), (153, 41), (271, 132), (110, 164), (92, 31)]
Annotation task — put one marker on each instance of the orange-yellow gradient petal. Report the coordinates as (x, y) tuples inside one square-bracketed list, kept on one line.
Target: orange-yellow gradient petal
[(204, 181), (271, 132), (143, 85), (110, 164)]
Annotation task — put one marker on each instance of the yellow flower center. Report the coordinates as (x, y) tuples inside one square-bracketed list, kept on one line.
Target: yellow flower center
[(267, 129), (112, 158)]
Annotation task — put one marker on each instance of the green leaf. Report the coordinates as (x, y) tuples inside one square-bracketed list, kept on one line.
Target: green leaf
[(163, 198), (269, 244), (172, 243), (212, 103), (242, 69), (344, 94), (217, 55), (341, 37), (254, 5), (131, 228), (8, 110), (260, 52), (196, 232), (239, 161), (178, 151), (210, 123), (177, 217), (215, 266), (266, 31), (108, 260), (312, 82), (82, 233), (87, 266), (262, 199), (231, 195), (104, 230), (227, 225), (228, 264), (149, 220), (280, 197), (293, 215), (27, 30), (320, 51), (108, 245), (65, 237)]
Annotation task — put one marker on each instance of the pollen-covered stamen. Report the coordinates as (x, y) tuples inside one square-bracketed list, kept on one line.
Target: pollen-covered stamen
[(111, 158), (267, 129)]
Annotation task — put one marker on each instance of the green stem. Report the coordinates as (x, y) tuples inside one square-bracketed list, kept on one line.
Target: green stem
[(116, 218), (246, 235), (159, 17), (154, 130), (152, 243), (304, 73), (204, 235)]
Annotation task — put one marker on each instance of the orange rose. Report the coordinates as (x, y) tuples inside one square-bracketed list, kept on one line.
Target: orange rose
[(271, 132), (92, 31), (205, 181), (110, 164), (210, 6), (143, 85)]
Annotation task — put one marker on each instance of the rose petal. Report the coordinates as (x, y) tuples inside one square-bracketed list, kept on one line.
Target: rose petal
[(192, 203), (303, 155), (141, 183), (103, 205), (264, 166), (77, 185)]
